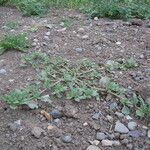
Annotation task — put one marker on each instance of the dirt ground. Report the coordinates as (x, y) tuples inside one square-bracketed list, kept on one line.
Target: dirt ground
[(105, 40)]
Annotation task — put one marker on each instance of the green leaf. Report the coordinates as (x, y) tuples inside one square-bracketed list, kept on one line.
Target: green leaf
[(125, 110), (140, 113)]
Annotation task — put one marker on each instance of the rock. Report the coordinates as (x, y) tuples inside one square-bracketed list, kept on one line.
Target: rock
[(85, 124), (128, 117), (135, 134), (95, 142), (15, 125), (47, 33), (118, 43), (96, 116), (34, 44), (51, 127), (93, 147), (67, 139), (107, 143), (121, 128), (62, 30), (85, 37), (116, 143), (79, 50), (145, 127), (81, 30), (129, 146), (49, 26), (125, 141), (132, 125), (70, 111), (110, 118), (148, 134), (37, 131), (96, 18), (101, 136), (46, 38), (120, 115), (113, 106), (56, 121), (56, 114), (35, 40), (103, 81), (2, 71)]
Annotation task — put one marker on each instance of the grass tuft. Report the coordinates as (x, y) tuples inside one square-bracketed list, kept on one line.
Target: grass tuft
[(14, 42)]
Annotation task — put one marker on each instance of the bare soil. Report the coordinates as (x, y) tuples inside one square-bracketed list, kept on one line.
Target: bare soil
[(100, 46)]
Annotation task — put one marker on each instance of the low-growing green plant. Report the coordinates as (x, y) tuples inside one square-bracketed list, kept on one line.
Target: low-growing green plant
[(28, 96), (67, 22), (14, 42), (12, 25), (73, 81), (23, 97), (124, 65)]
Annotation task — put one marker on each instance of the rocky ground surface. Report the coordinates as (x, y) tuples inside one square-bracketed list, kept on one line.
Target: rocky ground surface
[(88, 125)]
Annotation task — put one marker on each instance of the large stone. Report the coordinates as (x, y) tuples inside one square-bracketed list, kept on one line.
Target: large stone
[(93, 147), (121, 128)]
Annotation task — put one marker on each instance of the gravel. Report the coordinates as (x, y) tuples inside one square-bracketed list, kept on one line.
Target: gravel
[(121, 128)]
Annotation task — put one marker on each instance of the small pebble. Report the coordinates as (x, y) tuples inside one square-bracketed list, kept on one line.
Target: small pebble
[(67, 139), (47, 33), (132, 125), (125, 141), (120, 127), (79, 50), (118, 43), (96, 116), (56, 114), (85, 37), (107, 143), (96, 18)]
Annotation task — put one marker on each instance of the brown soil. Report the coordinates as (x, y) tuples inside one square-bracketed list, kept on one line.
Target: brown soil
[(135, 43)]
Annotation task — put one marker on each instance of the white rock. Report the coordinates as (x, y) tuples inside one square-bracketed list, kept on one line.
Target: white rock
[(128, 117), (121, 128), (107, 143), (148, 134), (46, 38), (96, 18), (109, 118), (2, 71), (120, 115), (81, 30), (132, 125), (93, 147), (79, 50), (85, 124), (47, 33), (116, 143), (85, 37), (62, 30), (95, 142), (118, 43)]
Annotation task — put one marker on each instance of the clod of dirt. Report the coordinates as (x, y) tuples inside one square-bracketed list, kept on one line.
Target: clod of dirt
[(46, 115), (37, 131), (144, 91), (70, 111)]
